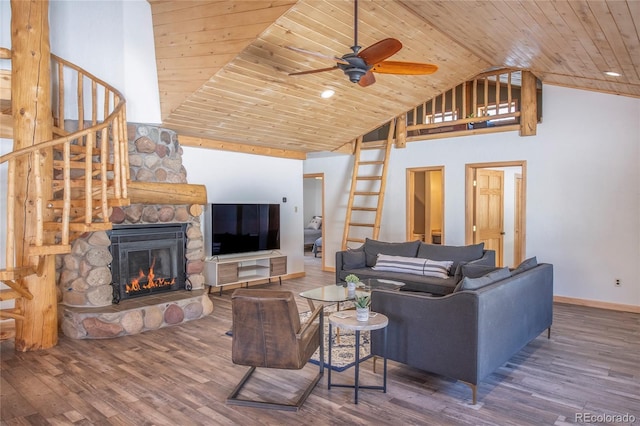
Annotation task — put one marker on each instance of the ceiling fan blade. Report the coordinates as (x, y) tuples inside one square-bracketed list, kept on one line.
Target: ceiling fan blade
[(367, 80), (314, 71), (404, 68), (318, 54), (380, 51)]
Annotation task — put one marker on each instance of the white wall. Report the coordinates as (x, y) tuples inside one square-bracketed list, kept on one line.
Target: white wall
[(583, 190), (233, 177), (113, 40)]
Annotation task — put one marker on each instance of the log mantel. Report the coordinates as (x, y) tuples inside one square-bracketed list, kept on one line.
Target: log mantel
[(166, 193)]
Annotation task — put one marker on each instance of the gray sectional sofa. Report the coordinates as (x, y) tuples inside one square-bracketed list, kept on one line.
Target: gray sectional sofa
[(468, 334), (362, 261)]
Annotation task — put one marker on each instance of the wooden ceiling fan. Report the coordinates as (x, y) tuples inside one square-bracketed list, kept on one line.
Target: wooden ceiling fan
[(359, 65)]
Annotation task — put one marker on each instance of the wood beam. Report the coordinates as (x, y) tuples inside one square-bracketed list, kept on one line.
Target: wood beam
[(238, 147), (166, 193), (529, 105)]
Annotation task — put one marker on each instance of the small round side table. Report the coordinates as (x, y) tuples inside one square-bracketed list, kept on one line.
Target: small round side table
[(347, 320)]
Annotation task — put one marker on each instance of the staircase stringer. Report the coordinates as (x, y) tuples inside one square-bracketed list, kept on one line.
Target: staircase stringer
[(383, 183)]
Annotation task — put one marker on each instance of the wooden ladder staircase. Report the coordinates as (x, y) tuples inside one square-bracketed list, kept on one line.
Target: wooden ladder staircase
[(368, 182), (79, 176)]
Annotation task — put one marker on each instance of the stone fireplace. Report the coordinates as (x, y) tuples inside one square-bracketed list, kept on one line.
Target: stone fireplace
[(146, 273)]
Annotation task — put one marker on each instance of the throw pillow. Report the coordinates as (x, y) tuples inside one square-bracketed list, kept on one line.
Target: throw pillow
[(412, 265), (353, 259), (475, 271), (455, 253), (373, 247), (527, 264), (477, 283), (315, 223)]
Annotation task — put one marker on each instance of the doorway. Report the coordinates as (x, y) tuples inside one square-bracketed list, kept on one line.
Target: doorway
[(425, 204), (313, 208), (495, 209)]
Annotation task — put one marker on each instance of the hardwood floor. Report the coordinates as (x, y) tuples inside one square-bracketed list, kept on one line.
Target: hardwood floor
[(181, 376)]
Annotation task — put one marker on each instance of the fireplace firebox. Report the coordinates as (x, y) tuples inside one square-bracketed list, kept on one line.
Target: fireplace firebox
[(147, 259)]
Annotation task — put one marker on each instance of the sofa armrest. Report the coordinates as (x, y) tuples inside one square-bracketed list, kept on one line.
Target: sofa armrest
[(488, 259)]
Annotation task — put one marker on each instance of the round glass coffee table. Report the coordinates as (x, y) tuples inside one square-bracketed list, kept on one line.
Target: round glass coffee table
[(346, 320), (336, 293)]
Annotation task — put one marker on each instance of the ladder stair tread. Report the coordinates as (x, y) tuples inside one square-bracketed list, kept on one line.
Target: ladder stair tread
[(366, 193), (368, 177), (371, 225), (365, 209), (370, 163), (355, 240)]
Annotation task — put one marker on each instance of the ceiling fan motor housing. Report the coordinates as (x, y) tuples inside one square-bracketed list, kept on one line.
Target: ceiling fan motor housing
[(356, 68)]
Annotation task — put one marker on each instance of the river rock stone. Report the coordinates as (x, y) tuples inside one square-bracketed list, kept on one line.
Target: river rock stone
[(132, 322), (100, 296), (145, 145), (152, 317), (99, 238), (99, 256), (96, 328), (173, 314), (99, 276), (193, 311)]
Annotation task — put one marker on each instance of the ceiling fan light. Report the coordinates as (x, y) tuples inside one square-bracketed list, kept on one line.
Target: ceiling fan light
[(327, 94)]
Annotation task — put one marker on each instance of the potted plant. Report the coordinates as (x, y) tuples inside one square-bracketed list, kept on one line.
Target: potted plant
[(352, 280), (362, 302)]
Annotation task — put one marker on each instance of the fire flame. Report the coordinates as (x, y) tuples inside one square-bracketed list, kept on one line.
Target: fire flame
[(135, 285)]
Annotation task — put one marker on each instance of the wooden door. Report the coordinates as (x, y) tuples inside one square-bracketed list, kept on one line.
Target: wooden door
[(518, 232), (489, 216)]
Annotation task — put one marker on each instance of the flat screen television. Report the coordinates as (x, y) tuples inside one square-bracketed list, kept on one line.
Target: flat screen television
[(243, 228)]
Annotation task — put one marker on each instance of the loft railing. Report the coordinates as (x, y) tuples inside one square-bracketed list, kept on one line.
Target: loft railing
[(491, 98)]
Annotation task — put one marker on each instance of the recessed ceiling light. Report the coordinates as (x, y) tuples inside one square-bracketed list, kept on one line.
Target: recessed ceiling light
[(328, 93), (613, 74)]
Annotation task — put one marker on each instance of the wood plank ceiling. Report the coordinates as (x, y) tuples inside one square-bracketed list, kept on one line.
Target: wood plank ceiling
[(223, 66)]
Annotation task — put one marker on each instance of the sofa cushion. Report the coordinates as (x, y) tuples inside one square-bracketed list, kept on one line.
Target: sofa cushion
[(454, 253), (374, 247), (475, 271), (527, 264), (477, 283), (413, 265), (353, 259)]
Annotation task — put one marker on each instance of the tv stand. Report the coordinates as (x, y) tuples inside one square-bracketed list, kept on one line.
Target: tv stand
[(222, 271)]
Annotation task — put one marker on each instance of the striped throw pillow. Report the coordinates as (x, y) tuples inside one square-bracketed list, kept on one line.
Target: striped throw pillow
[(413, 265)]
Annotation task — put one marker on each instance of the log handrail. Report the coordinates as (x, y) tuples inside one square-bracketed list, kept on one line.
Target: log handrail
[(104, 142)]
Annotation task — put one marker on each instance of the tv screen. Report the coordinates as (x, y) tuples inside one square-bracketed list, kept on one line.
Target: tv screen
[(242, 228)]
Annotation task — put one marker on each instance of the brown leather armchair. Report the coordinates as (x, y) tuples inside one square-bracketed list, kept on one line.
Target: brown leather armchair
[(267, 333)]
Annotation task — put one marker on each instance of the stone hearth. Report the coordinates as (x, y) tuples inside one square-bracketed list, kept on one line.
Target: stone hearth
[(135, 315)]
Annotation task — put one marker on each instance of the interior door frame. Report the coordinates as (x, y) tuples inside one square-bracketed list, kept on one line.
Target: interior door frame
[(324, 244), (470, 199), (411, 173)]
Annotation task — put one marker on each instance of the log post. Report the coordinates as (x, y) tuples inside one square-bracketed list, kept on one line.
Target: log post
[(529, 105), (32, 124)]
